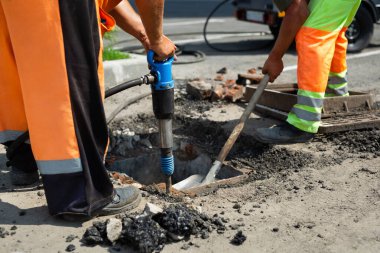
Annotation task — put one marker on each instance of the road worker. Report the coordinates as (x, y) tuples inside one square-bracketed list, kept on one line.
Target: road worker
[(318, 27), (51, 78)]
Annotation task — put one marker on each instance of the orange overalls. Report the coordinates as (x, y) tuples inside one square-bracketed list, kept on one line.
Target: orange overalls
[(321, 47), (51, 84)]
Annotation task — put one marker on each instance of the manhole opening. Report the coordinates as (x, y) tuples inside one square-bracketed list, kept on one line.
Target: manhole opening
[(146, 168)]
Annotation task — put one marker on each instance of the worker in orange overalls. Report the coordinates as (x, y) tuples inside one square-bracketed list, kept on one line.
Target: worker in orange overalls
[(51, 78), (319, 28)]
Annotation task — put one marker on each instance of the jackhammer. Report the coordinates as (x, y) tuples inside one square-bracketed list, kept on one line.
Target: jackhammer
[(163, 108), (162, 85)]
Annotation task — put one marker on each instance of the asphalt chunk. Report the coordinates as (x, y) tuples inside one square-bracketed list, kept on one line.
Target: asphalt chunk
[(239, 238)]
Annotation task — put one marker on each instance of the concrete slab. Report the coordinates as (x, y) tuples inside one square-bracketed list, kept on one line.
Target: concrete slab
[(119, 71)]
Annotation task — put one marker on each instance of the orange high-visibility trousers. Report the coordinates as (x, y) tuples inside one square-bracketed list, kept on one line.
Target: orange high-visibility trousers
[(52, 85), (321, 47)]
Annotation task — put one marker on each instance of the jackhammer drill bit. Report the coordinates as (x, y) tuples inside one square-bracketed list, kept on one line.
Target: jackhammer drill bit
[(163, 108)]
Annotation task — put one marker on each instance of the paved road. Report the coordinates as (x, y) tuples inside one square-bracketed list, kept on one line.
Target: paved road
[(227, 33)]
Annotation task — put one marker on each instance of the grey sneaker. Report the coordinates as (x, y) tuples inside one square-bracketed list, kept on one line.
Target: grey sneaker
[(282, 134), (125, 199), (21, 178)]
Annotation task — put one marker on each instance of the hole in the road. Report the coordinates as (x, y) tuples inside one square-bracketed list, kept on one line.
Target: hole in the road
[(189, 160)]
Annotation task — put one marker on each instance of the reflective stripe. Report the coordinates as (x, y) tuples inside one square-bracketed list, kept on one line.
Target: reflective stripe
[(337, 80), (308, 108), (308, 101), (333, 95), (340, 74), (311, 94), (9, 135), (307, 126), (306, 115), (59, 166), (338, 91), (336, 86)]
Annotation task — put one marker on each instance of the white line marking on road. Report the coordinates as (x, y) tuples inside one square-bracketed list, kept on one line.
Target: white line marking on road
[(350, 57), (215, 37), (361, 55), (194, 22)]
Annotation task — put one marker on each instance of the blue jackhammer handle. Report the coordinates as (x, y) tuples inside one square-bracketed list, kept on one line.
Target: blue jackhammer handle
[(162, 70), (153, 62)]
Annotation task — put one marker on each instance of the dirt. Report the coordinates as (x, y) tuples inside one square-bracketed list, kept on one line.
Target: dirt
[(160, 190), (269, 161), (364, 141)]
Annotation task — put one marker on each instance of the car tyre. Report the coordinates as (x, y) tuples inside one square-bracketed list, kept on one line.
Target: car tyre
[(359, 33)]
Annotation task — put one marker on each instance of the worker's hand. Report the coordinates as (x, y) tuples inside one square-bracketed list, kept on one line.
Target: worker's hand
[(273, 67), (163, 48)]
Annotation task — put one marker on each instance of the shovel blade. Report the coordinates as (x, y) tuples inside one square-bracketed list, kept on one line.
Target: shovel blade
[(190, 182)]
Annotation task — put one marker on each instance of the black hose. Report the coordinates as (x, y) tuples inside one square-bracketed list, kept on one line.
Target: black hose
[(198, 55), (221, 49), (124, 86)]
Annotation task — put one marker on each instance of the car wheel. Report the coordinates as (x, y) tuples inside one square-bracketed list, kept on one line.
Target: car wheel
[(360, 32)]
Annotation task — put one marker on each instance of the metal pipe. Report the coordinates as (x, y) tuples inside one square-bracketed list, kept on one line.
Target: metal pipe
[(166, 133)]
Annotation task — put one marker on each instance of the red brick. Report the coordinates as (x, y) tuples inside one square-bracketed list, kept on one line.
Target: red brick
[(234, 93)]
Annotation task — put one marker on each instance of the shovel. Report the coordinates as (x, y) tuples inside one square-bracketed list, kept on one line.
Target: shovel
[(195, 180)]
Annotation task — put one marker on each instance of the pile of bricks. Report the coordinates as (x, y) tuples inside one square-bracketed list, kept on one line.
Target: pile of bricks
[(221, 89)]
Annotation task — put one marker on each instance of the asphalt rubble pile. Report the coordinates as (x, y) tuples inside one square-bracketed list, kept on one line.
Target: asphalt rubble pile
[(150, 231), (360, 141), (269, 160)]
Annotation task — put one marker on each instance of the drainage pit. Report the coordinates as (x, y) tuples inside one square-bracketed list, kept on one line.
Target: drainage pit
[(188, 161)]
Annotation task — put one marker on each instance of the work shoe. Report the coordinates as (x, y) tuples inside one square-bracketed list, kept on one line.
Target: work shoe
[(22, 178), (282, 134), (125, 199)]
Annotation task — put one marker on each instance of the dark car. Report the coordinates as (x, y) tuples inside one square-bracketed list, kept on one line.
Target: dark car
[(359, 33)]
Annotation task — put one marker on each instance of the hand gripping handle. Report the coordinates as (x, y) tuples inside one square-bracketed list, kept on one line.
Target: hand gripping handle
[(162, 70)]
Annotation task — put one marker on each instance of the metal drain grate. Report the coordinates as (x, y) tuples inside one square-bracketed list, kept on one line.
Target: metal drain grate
[(357, 111)]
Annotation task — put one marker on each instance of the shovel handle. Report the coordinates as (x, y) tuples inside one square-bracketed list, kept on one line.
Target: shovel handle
[(239, 127), (236, 132)]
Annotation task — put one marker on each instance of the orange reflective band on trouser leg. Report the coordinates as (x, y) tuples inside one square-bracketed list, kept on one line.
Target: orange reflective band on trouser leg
[(40, 59), (12, 114)]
